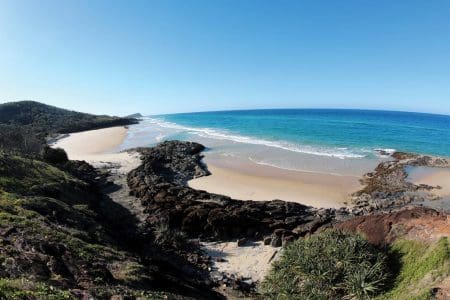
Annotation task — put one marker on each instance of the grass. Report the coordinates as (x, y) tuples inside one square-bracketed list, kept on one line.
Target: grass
[(21, 175), (421, 267), (327, 265), (12, 289)]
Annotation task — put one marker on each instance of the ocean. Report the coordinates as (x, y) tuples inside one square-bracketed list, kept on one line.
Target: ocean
[(317, 140)]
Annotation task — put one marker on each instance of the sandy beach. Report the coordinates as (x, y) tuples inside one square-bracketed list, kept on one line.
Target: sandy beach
[(99, 148), (250, 181), (238, 179)]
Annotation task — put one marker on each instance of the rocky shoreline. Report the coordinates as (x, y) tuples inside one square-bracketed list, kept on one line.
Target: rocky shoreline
[(99, 231), (160, 183), (387, 186)]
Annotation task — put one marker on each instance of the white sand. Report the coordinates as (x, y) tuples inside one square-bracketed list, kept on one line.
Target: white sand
[(99, 148), (251, 261), (256, 182)]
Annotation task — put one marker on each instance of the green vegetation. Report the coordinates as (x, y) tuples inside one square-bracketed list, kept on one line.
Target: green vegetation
[(25, 125), (328, 265), (421, 267), (23, 176), (57, 233), (16, 289), (49, 119), (47, 212), (54, 155), (336, 265)]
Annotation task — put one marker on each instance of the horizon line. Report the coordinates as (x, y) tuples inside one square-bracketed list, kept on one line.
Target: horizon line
[(249, 109), (303, 108)]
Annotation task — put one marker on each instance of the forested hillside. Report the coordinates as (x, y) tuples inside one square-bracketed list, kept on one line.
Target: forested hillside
[(24, 125)]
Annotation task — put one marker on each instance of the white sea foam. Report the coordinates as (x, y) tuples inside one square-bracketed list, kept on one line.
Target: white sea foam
[(160, 136), (341, 153), (388, 151)]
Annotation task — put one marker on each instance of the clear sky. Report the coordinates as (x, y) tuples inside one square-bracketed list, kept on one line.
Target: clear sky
[(121, 57)]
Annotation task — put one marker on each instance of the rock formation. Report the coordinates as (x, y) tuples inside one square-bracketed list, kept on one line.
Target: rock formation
[(387, 186), (160, 183)]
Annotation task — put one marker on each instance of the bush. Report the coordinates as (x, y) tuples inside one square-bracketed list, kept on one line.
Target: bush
[(54, 155), (327, 265)]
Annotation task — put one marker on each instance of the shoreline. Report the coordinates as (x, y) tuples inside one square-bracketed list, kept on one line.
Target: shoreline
[(229, 177), (236, 177), (246, 180), (99, 147)]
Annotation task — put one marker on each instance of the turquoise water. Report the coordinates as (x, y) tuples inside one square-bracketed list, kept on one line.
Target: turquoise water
[(323, 132), (341, 142)]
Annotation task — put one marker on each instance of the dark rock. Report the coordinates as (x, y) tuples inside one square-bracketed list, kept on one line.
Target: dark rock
[(241, 242), (303, 229), (388, 186), (277, 238), (286, 239), (276, 241), (267, 240), (161, 184)]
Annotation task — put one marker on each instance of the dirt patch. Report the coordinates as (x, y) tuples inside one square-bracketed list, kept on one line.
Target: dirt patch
[(418, 223)]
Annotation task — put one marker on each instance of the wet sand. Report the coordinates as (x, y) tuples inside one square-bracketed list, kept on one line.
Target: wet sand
[(432, 176), (246, 180)]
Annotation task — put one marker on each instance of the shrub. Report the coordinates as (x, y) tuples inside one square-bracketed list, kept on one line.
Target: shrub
[(327, 265), (55, 155)]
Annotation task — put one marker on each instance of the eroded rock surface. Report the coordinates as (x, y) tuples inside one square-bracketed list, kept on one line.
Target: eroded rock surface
[(160, 183), (387, 186), (414, 223)]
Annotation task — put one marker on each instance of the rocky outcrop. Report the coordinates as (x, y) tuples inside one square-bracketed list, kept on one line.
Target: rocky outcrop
[(414, 223), (387, 186), (160, 183)]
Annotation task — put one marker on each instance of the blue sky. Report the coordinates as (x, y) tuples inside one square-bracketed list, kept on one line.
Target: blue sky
[(121, 57)]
